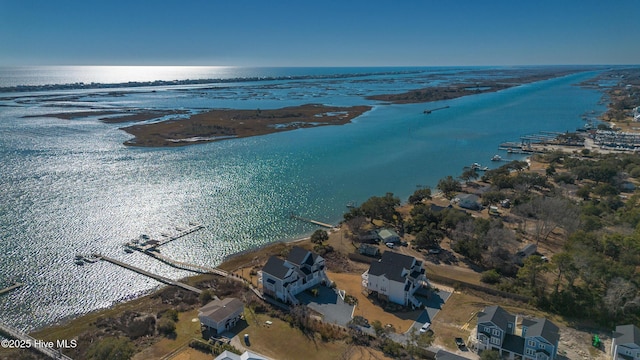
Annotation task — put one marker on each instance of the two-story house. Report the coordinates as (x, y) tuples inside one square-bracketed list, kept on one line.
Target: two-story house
[(494, 324), (626, 343), (396, 278), (497, 331), (284, 279)]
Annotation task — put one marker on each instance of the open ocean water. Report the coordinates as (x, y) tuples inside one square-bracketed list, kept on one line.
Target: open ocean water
[(70, 186)]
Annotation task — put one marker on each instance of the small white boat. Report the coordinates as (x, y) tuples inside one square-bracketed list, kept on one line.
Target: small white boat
[(496, 158)]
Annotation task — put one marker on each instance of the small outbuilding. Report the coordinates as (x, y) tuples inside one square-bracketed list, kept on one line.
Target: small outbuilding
[(388, 236), (221, 315)]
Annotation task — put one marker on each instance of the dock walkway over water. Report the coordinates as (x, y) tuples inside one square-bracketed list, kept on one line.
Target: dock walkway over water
[(10, 288), (160, 278), (34, 344), (201, 269), (315, 222)]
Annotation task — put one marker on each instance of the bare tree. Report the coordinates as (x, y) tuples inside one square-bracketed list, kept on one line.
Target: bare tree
[(549, 214), (622, 297)]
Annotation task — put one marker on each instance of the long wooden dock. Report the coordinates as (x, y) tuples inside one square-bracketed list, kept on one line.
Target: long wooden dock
[(35, 345), (149, 274), (11, 288), (315, 222)]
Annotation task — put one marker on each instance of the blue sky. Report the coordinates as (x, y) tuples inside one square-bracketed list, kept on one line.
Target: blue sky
[(319, 33)]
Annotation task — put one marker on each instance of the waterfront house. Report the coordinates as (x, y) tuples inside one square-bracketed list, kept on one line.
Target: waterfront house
[(396, 278), (496, 330), (626, 343), (221, 315), (284, 279), (468, 201)]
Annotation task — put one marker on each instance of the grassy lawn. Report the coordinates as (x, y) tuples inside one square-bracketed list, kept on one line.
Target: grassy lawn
[(281, 341)]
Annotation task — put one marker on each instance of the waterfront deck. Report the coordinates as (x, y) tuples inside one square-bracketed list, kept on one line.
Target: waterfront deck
[(157, 277), (35, 345), (148, 244), (11, 288)]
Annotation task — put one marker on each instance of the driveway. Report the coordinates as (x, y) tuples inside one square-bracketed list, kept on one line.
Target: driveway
[(432, 304), (329, 304)]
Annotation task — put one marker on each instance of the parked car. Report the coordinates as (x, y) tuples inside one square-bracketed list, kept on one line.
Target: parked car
[(425, 327), (434, 251), (460, 342), (390, 245)]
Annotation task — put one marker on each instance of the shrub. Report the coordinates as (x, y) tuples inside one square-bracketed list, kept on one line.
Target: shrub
[(166, 326), (111, 348), (490, 277), (171, 314), (201, 346), (205, 297)]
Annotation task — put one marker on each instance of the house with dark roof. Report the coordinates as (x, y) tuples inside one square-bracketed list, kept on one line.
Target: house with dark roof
[(396, 278), (626, 343), (468, 201), (284, 279), (221, 315), (497, 331)]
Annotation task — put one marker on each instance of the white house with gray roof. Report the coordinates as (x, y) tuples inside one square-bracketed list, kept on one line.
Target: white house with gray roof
[(626, 343), (221, 315), (497, 331), (396, 278), (284, 279)]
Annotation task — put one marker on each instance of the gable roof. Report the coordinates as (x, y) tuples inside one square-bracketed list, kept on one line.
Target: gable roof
[(247, 355), (627, 334), (275, 267), (397, 259), (468, 197), (219, 310), (392, 265), (496, 315), (546, 329), (300, 256), (386, 234)]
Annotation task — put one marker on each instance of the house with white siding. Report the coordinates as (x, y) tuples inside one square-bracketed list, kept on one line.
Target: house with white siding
[(396, 278), (497, 331), (221, 315), (626, 343), (284, 279)]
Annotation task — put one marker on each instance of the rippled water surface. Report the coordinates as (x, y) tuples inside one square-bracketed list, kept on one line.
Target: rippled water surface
[(70, 186)]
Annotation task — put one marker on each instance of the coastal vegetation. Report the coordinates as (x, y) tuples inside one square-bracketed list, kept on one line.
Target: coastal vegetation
[(215, 125), (579, 208)]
